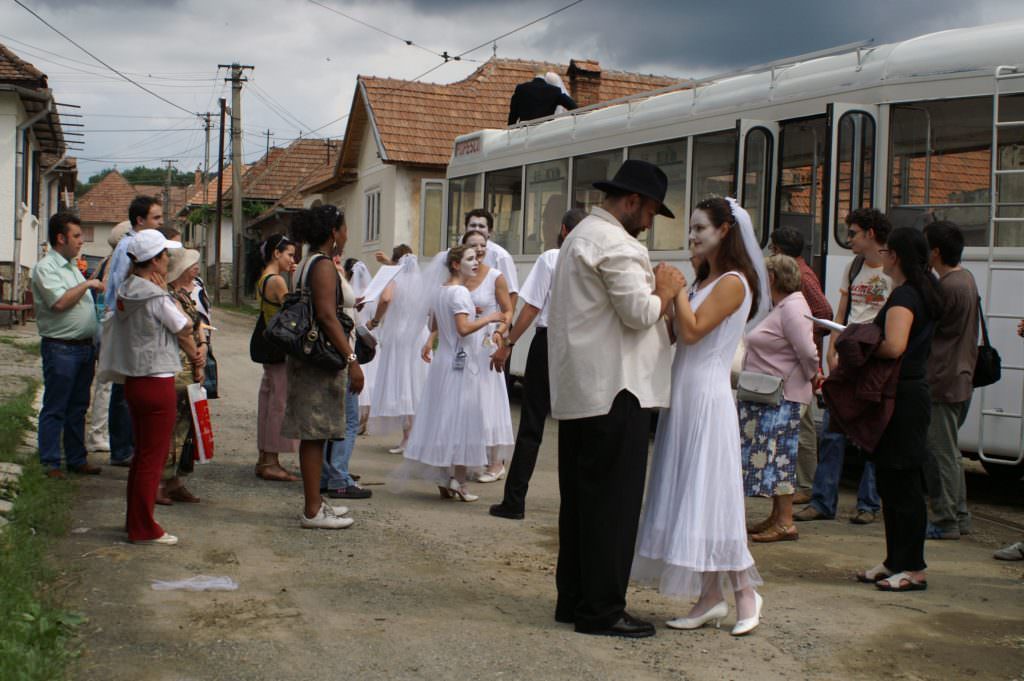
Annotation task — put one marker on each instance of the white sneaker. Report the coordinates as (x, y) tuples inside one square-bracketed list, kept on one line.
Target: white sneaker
[(165, 539), (400, 449), (339, 510), (325, 519)]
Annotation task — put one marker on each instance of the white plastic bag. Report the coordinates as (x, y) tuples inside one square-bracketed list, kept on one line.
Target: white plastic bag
[(197, 583)]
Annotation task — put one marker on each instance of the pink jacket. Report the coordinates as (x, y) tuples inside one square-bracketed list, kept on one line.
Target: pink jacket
[(783, 345)]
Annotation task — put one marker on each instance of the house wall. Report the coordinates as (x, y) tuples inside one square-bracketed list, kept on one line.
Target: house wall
[(11, 113), (98, 246)]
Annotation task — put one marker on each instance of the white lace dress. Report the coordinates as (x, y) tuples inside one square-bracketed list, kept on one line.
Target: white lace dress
[(494, 394), (694, 521), (449, 426), (370, 368)]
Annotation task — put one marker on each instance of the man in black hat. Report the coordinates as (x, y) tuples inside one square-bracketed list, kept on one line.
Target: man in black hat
[(609, 361)]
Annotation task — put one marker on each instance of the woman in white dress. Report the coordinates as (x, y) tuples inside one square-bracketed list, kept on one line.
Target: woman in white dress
[(401, 316), (449, 435), (490, 293), (693, 532)]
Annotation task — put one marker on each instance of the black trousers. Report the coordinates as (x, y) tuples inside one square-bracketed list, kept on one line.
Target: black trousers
[(906, 516), (602, 462), (535, 409)]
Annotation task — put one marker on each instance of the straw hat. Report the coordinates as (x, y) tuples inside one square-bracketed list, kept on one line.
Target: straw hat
[(118, 233), (180, 260)]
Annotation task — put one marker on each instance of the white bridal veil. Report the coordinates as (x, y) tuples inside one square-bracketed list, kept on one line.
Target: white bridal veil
[(753, 247)]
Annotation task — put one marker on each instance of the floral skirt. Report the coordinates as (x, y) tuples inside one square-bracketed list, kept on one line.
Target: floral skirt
[(770, 437)]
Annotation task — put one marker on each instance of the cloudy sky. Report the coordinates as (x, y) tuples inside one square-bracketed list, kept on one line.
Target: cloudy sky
[(307, 57)]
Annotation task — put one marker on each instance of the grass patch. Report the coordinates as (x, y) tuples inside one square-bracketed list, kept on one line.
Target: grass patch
[(35, 636), (31, 347)]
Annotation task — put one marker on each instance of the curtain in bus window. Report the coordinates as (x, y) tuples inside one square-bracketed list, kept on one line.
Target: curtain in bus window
[(433, 214), (503, 193), (940, 166), (463, 196), (714, 166), (667, 235), (547, 190)]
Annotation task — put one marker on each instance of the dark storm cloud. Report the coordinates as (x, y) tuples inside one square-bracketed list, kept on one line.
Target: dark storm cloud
[(678, 36)]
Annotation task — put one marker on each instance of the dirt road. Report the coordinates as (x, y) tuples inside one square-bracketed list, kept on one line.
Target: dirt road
[(419, 588)]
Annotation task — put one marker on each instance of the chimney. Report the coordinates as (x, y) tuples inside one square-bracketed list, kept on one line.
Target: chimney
[(585, 81), (197, 179)]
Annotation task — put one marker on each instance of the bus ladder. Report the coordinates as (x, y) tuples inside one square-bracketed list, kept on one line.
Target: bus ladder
[(1002, 75)]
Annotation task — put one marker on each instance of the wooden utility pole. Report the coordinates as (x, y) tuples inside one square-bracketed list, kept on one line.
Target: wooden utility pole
[(268, 133), (204, 247), (220, 205), (237, 216)]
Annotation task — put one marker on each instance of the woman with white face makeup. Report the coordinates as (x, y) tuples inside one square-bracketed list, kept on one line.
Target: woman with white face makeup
[(490, 293), (693, 532), (449, 435)]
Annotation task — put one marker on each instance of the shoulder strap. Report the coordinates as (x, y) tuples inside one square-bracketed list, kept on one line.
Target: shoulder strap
[(984, 326), (855, 267)]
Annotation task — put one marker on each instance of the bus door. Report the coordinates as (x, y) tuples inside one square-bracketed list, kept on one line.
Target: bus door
[(852, 144), (802, 184), (757, 157)]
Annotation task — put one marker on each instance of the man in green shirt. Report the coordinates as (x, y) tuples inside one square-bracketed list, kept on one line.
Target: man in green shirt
[(66, 317)]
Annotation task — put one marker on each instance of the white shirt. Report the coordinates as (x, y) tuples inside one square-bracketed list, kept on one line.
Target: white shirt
[(604, 334), (871, 288), (536, 289), (501, 260)]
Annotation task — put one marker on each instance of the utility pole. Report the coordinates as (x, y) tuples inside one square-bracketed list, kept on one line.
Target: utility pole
[(268, 133), (220, 204), (237, 216), (204, 247), (167, 188)]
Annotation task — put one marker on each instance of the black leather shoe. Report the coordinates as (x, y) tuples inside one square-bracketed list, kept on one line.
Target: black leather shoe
[(627, 627), (350, 492), (503, 511)]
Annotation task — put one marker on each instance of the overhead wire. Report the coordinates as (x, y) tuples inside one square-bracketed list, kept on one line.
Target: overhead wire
[(83, 49), (520, 28), (378, 29)]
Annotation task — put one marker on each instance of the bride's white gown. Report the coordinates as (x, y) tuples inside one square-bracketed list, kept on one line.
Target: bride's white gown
[(694, 521)]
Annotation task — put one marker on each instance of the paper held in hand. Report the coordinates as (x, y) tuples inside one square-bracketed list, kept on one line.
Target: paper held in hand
[(380, 281), (827, 323)]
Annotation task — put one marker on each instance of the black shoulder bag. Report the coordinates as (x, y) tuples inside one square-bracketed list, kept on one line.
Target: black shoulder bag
[(295, 330), (989, 366), (261, 350)]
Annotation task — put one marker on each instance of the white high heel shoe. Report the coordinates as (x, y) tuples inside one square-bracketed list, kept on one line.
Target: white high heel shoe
[(492, 477), (716, 613), (745, 626)]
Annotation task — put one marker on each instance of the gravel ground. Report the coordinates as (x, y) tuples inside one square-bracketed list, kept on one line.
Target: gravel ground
[(421, 588)]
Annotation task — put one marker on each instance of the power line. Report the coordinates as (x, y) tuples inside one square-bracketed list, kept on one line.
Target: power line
[(72, 41), (516, 30), (375, 28)]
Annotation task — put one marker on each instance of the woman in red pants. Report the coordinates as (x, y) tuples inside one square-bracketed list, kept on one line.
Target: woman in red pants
[(142, 340)]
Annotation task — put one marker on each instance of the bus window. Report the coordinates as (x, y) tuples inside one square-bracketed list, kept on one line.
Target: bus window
[(503, 194), (586, 170), (463, 196), (801, 194), (714, 166), (668, 235), (940, 166), (855, 168), (547, 190), (431, 217), (757, 174)]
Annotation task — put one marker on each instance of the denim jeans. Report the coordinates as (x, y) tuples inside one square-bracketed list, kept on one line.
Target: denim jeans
[(337, 453), (67, 384), (119, 426), (825, 492)]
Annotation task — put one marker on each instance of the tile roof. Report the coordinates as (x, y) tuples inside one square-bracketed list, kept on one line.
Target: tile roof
[(317, 160), (284, 170), (418, 122), (17, 71), (196, 196), (109, 199)]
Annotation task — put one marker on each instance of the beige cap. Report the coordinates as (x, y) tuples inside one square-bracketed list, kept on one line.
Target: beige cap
[(180, 260), (118, 233)]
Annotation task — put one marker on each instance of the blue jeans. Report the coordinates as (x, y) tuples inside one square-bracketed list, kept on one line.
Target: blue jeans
[(337, 453), (825, 492), (119, 426), (67, 385)]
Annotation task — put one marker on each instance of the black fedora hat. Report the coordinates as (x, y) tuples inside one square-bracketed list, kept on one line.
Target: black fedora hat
[(643, 178)]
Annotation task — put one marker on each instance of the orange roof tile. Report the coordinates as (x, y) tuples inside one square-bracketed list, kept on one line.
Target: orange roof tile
[(196, 198), (14, 69), (418, 122), (109, 199), (283, 170)]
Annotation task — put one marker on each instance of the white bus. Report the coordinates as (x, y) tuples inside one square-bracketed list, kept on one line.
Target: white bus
[(908, 127)]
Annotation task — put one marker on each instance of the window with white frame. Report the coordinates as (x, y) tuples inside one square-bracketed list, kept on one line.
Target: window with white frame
[(371, 216)]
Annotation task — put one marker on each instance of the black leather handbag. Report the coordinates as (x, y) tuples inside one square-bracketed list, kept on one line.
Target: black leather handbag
[(296, 332), (261, 350), (988, 368)]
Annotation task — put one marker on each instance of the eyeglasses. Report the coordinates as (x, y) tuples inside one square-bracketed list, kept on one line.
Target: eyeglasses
[(883, 250), (850, 233)]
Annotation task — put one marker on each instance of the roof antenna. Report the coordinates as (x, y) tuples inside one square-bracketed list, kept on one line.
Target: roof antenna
[(494, 49)]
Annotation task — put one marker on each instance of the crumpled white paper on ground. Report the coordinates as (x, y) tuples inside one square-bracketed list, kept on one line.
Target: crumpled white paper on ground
[(197, 583)]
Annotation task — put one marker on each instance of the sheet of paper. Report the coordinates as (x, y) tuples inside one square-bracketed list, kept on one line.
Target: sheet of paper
[(384, 276), (827, 323)]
